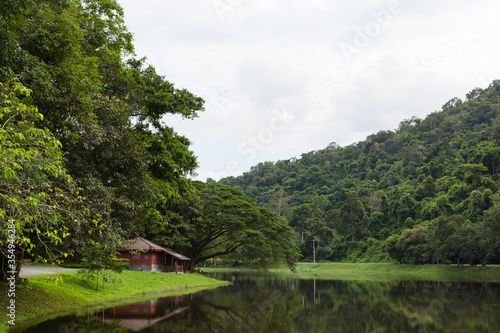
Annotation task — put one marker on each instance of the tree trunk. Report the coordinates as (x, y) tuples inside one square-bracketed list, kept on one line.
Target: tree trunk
[(191, 265), (97, 285), (19, 265), (18, 269)]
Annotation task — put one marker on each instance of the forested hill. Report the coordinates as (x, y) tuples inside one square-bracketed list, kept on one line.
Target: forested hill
[(427, 192)]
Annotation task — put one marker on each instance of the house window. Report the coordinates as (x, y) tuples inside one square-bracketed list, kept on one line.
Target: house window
[(154, 257), (136, 257), (146, 257)]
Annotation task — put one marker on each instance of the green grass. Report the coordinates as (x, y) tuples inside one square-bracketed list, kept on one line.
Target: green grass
[(52, 295), (382, 271)]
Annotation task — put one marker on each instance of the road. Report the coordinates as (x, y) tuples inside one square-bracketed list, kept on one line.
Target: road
[(36, 270)]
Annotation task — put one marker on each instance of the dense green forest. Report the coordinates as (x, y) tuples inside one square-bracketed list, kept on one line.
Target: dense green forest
[(86, 159), (427, 192)]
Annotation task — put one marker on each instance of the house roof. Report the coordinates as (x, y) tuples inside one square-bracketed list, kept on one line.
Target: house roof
[(140, 243)]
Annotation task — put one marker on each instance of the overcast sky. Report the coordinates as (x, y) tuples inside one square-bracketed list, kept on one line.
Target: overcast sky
[(285, 77)]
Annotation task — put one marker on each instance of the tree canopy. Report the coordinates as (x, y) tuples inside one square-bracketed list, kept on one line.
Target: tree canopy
[(102, 114), (218, 220)]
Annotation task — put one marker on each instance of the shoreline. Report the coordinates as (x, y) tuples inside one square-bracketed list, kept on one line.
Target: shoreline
[(381, 271), (42, 297)]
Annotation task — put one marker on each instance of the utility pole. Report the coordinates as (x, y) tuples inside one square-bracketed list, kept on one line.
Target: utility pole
[(314, 253)]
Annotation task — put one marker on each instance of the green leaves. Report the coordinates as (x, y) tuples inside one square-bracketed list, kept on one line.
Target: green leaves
[(219, 221), (352, 215), (33, 191), (158, 97)]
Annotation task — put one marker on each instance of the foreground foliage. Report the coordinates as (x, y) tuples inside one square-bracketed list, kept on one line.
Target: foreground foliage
[(38, 200)]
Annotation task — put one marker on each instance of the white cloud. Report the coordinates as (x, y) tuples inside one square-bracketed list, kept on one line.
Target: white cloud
[(260, 57)]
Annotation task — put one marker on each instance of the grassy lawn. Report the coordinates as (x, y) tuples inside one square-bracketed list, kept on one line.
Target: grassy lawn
[(50, 295), (382, 271)]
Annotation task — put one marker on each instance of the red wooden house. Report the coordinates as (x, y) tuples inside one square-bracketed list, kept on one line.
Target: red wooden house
[(144, 255)]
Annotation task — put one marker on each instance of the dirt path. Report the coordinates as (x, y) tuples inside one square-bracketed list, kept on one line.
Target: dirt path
[(36, 270)]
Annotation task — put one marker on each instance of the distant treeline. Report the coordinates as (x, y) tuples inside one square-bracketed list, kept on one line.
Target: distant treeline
[(428, 192)]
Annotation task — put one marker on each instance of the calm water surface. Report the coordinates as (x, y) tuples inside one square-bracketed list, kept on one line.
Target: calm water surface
[(267, 303)]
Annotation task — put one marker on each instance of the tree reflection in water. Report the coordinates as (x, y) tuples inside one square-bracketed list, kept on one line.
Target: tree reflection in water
[(266, 303)]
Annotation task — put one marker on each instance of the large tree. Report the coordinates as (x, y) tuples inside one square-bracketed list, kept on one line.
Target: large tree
[(299, 216), (105, 107), (352, 215), (219, 220)]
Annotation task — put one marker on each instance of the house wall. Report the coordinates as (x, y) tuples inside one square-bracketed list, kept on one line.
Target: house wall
[(153, 262), (142, 261)]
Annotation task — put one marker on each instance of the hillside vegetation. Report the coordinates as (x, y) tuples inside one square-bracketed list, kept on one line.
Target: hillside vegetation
[(426, 192)]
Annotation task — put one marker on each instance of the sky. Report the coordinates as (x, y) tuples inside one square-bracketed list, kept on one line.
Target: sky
[(285, 77)]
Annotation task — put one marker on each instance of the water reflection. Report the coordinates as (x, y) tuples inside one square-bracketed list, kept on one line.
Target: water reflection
[(266, 303), (139, 316)]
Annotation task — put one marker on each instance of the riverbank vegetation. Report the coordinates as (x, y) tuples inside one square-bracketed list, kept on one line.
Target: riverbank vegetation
[(55, 294)]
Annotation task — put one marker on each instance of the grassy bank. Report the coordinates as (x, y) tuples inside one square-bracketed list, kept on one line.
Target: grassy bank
[(384, 271), (51, 295)]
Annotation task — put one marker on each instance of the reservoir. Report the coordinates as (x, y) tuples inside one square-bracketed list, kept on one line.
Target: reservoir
[(275, 303)]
